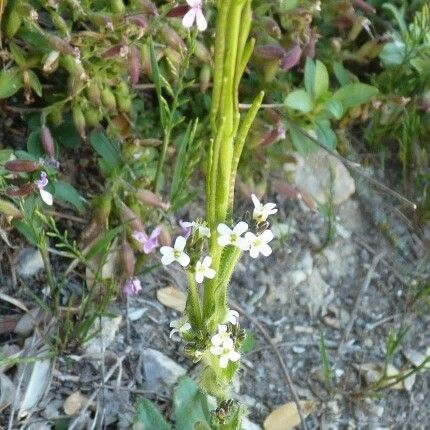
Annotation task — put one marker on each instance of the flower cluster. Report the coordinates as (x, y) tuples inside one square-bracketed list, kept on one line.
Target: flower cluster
[(223, 346), (41, 184)]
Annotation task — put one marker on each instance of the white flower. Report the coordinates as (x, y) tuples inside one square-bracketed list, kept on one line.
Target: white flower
[(179, 326), (204, 270), (227, 236), (41, 184), (176, 253), (221, 337), (261, 212), (259, 244), (232, 316), (226, 353), (201, 228), (195, 14)]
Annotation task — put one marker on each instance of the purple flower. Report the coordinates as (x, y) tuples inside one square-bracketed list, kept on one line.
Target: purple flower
[(149, 243), (41, 184), (131, 287), (187, 228), (195, 14)]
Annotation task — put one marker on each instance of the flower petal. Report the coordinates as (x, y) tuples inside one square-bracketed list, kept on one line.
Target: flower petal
[(207, 261), (167, 259), (224, 230), (233, 355), (224, 240), (180, 243), (165, 250), (189, 17), (201, 22), (240, 228), (223, 361), (266, 236), (183, 260), (255, 200), (266, 250), (242, 244), (210, 273), (199, 277), (216, 350), (46, 197), (254, 252)]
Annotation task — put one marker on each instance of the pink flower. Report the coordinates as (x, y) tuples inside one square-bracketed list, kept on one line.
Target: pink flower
[(131, 287), (186, 228), (195, 14), (41, 184), (149, 243)]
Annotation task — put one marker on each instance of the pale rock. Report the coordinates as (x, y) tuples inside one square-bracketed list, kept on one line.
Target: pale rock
[(320, 173), (7, 391), (26, 323), (136, 313), (106, 330), (52, 409), (30, 262), (8, 350), (249, 425), (160, 371)]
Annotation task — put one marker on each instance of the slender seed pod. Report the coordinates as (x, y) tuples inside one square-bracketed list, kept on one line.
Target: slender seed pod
[(205, 77), (130, 218), (20, 191), (93, 93), (146, 60), (134, 65), (149, 198), (165, 238), (202, 53)]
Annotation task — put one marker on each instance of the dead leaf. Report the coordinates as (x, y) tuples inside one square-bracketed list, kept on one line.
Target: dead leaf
[(38, 379), (7, 391), (287, 416), (74, 403), (172, 298)]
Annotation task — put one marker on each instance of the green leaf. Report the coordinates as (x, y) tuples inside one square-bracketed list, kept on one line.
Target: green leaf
[(321, 80), (102, 245), (151, 418), (17, 54), (393, 53), (26, 231), (310, 76), (248, 343), (66, 134), (398, 16), (299, 100), (68, 193), (191, 405), (34, 144), (10, 82), (157, 82), (325, 134), (106, 148), (341, 73), (334, 108), (35, 83), (354, 94), (301, 143)]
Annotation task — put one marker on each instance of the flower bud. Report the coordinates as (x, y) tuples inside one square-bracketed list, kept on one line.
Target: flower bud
[(165, 238), (93, 93), (128, 259), (79, 120), (270, 52), (47, 141), (139, 21), (59, 44), (9, 209), (271, 26), (130, 218), (291, 58), (202, 53), (123, 103), (118, 50), (117, 6), (102, 209), (172, 38), (20, 191), (178, 11), (146, 60), (134, 65), (93, 116), (148, 7), (108, 99), (205, 77), (174, 57), (22, 166), (149, 198), (51, 62)]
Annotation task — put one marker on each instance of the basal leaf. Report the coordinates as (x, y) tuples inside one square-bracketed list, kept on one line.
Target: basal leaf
[(150, 417), (299, 100), (321, 82), (10, 82), (65, 191), (354, 94), (106, 148)]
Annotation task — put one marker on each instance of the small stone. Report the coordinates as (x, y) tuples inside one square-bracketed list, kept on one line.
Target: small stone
[(368, 342), (135, 314), (323, 176), (26, 323), (298, 349), (297, 277), (249, 425), (30, 262), (105, 336), (52, 409), (160, 371)]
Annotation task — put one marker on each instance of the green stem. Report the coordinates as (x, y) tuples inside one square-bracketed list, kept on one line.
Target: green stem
[(162, 159), (193, 306)]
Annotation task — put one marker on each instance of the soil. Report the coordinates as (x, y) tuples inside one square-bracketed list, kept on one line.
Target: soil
[(302, 292)]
